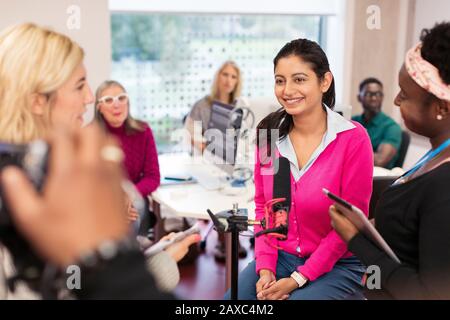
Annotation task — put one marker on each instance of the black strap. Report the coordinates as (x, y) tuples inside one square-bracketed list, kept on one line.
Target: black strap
[(282, 183), (281, 189)]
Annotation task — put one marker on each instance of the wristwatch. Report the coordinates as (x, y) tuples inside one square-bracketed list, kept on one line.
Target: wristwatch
[(299, 278)]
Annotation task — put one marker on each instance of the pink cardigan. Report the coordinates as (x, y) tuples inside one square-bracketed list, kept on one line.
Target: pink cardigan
[(345, 168)]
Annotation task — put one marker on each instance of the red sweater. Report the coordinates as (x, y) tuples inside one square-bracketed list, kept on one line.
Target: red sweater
[(141, 158)]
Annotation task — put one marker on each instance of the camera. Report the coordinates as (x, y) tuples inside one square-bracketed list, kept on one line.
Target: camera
[(32, 158)]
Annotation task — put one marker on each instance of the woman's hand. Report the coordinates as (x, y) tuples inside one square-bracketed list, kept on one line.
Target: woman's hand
[(344, 227), (81, 204), (132, 214), (279, 290), (179, 249), (266, 279)]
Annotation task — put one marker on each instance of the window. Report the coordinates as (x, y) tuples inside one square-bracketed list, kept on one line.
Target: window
[(167, 61)]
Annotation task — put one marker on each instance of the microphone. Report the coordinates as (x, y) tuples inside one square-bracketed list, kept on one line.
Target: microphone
[(163, 244), (221, 225)]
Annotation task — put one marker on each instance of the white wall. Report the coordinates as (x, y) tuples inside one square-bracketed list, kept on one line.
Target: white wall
[(93, 34), (340, 50), (429, 12)]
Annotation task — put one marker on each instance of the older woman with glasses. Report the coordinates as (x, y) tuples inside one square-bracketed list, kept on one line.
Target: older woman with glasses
[(136, 138)]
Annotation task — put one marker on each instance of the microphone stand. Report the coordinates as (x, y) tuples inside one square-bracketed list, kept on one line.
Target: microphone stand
[(232, 221)]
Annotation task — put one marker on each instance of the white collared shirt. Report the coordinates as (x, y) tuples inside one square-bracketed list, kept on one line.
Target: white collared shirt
[(335, 124)]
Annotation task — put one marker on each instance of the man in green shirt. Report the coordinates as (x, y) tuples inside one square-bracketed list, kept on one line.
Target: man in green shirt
[(384, 132)]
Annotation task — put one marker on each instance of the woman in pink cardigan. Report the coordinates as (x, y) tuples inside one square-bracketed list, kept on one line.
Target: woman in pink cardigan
[(324, 150)]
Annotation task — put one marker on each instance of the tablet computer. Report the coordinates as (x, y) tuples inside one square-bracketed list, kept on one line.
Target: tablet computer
[(358, 218)]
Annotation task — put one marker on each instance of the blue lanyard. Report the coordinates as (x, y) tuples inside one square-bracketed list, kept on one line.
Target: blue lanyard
[(427, 157)]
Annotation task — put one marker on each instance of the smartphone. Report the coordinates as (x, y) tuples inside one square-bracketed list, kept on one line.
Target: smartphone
[(335, 198), (361, 222)]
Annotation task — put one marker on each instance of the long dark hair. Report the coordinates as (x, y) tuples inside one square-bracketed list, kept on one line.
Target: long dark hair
[(310, 52)]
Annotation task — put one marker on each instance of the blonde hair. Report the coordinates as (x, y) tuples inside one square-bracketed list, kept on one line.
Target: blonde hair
[(33, 60), (131, 125), (215, 87)]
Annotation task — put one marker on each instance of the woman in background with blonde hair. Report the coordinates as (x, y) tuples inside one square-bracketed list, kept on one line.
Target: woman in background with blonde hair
[(226, 88)]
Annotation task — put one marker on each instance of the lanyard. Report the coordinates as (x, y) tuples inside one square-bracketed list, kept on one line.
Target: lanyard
[(425, 159)]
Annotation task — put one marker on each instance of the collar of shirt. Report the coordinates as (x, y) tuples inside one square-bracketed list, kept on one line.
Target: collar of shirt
[(379, 118), (335, 124)]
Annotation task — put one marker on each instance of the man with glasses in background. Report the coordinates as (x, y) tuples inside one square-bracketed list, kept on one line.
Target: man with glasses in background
[(385, 134)]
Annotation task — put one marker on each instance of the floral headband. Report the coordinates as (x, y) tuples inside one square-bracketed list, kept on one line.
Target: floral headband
[(425, 74)]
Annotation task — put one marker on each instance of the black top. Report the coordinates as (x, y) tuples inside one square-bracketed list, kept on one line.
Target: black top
[(414, 219)]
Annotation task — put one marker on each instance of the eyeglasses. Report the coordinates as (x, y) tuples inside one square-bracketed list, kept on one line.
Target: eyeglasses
[(377, 94), (109, 100)]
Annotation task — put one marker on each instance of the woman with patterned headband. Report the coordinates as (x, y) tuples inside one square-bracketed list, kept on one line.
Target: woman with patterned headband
[(413, 215)]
